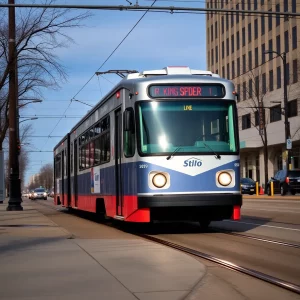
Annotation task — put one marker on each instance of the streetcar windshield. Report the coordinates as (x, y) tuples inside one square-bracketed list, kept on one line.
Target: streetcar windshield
[(187, 126)]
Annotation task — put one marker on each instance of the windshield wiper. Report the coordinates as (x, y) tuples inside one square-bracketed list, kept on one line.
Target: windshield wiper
[(218, 156), (173, 153)]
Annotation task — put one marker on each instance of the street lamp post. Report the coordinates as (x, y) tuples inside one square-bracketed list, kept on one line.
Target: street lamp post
[(286, 107), (34, 118)]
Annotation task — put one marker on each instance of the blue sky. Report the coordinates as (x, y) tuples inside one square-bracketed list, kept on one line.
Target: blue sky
[(159, 40)]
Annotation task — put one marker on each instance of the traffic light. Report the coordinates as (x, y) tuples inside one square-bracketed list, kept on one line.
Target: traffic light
[(18, 147)]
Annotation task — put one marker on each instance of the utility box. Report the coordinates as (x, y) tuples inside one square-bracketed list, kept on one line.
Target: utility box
[(2, 183)]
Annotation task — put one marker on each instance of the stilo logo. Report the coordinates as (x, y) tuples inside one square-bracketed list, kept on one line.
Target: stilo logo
[(192, 162)]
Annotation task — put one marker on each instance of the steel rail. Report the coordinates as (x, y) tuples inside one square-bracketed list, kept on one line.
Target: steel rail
[(262, 239), (256, 274)]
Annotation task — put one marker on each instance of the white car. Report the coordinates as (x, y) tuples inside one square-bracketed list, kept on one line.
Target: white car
[(39, 193)]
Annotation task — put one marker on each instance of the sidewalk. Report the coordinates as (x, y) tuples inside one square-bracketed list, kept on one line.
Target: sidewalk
[(40, 260)]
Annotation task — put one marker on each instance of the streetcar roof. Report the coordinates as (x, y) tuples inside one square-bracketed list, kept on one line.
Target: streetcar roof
[(172, 74)]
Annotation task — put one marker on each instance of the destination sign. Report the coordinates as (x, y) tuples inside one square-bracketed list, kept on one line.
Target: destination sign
[(187, 91)]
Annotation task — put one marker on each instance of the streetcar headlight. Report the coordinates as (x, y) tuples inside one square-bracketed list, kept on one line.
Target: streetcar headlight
[(159, 180), (35, 194), (224, 178), (45, 194)]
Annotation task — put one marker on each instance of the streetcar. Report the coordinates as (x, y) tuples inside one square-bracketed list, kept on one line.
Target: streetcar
[(162, 145)]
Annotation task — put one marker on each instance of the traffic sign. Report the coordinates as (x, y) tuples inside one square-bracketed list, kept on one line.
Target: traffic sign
[(289, 144)]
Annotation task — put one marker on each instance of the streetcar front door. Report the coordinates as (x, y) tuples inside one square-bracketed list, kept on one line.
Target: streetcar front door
[(75, 183), (118, 166)]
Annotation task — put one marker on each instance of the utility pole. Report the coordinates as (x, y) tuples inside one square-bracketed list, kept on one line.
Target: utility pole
[(14, 202), (286, 111)]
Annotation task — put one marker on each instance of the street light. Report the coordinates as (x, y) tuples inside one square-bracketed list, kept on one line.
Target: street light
[(285, 99), (83, 102), (34, 118), (33, 101)]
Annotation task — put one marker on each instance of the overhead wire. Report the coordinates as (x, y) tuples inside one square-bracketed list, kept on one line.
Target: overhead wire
[(100, 68)]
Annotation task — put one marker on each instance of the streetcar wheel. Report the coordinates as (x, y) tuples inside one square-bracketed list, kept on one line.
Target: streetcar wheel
[(204, 224)]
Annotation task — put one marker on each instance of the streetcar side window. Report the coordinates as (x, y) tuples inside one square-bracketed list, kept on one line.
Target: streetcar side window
[(129, 136), (58, 166)]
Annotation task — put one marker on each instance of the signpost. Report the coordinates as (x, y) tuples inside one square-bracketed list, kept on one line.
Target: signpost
[(289, 144), (2, 184)]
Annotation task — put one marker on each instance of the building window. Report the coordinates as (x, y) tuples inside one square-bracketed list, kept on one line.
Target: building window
[(264, 83), (294, 37), (255, 4), (275, 113), (250, 60), (293, 108), (216, 30), (255, 29), (238, 40), (232, 19), (227, 46), (232, 43), (246, 121), (223, 72), (270, 21), (244, 63), (287, 73), (263, 55), (249, 33), (228, 71), (212, 57), (262, 25), (243, 8), (262, 2), (243, 37), (232, 69), (223, 50), (227, 22), (211, 33), (256, 57), (244, 91), (278, 44), (239, 90), (249, 5), (257, 91), (238, 70), (271, 82), (270, 48), (295, 71), (293, 6), (277, 16), (250, 88), (279, 77), (222, 25), (286, 41), (286, 5), (237, 15)]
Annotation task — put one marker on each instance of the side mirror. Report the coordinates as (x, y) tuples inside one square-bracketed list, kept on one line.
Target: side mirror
[(128, 120)]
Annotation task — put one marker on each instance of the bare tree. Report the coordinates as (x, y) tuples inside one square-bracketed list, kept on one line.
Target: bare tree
[(255, 91), (39, 32), (45, 177)]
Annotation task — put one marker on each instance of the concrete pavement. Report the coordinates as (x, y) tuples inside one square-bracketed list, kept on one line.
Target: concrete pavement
[(40, 260)]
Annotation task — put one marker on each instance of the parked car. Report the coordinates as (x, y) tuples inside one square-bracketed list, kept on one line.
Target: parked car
[(39, 193), (285, 181), (247, 186)]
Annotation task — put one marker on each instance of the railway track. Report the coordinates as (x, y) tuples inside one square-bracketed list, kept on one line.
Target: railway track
[(265, 240), (225, 263), (259, 275)]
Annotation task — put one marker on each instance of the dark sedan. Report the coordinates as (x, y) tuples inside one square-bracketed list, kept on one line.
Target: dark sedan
[(247, 186)]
